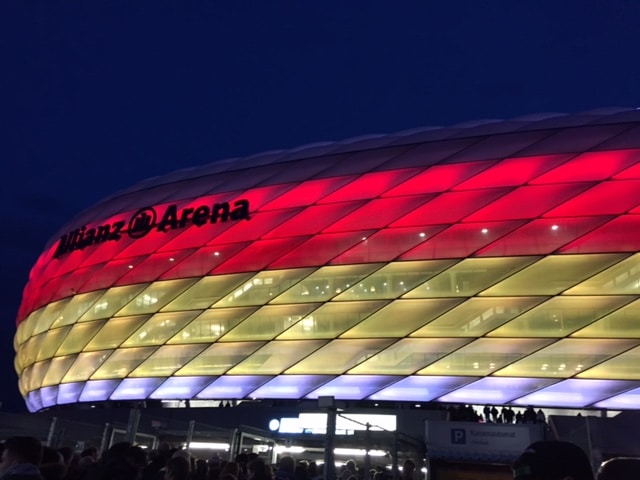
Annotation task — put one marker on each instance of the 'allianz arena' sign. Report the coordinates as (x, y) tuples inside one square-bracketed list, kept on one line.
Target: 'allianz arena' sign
[(146, 220)]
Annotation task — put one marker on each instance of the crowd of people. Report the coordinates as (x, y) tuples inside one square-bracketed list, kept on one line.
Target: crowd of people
[(493, 414), (25, 458)]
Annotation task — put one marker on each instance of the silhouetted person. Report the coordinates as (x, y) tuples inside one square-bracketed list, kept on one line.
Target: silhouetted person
[(553, 460), (178, 468), (408, 469), (286, 468), (21, 458)]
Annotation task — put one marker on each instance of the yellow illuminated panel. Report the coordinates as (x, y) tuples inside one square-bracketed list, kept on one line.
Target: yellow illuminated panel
[(275, 357), (167, 360), (78, 337), (219, 358), (51, 313), (23, 381), (25, 329), (159, 328), (325, 283), (205, 292), (469, 277), (211, 325), (559, 316), (620, 279), (394, 280), (400, 318), (339, 356), (155, 296), (114, 331), (477, 316), (269, 322), (53, 339), (77, 307), (37, 373), (86, 363), (330, 320), (58, 367), (622, 323), (559, 272), (29, 351), (566, 358), (263, 287), (113, 300), (625, 366), (408, 356), (484, 356), (122, 362)]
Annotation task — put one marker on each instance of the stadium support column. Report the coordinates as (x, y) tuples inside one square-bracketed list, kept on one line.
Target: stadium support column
[(329, 469), (52, 432), (367, 455), (132, 426), (192, 426)]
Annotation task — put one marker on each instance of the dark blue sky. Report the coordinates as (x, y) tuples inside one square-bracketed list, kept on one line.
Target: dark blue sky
[(97, 95)]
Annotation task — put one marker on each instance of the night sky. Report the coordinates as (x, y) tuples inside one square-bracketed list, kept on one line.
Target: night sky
[(98, 95)]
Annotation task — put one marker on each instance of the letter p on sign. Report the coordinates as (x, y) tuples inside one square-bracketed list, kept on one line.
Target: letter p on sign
[(458, 436)]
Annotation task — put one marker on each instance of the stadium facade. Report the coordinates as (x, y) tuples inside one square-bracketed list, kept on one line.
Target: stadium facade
[(493, 262)]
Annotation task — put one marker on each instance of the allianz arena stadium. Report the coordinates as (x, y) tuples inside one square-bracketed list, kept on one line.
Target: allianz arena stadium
[(493, 262)]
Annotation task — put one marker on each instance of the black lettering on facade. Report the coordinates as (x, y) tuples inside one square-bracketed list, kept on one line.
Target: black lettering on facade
[(144, 221), (169, 220), (241, 212), (116, 229), (220, 211), (200, 215)]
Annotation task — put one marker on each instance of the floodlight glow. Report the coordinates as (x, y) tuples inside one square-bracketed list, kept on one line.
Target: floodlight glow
[(208, 446)]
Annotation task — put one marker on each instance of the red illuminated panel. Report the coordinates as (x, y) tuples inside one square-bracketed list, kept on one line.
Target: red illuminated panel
[(386, 245), (194, 236), (203, 260), (606, 198), (260, 196), (449, 207), (619, 235), (313, 219), (461, 240), (71, 283), (542, 236), (258, 255), (41, 264), (590, 166), (152, 267), (63, 265), (378, 213), (631, 173), (370, 185), (104, 252), (512, 172), (307, 193), (42, 296), (527, 202), (68, 262), (260, 223), (110, 273), (320, 249), (438, 178)]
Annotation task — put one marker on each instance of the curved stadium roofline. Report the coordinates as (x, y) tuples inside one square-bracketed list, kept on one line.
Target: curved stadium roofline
[(469, 129)]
